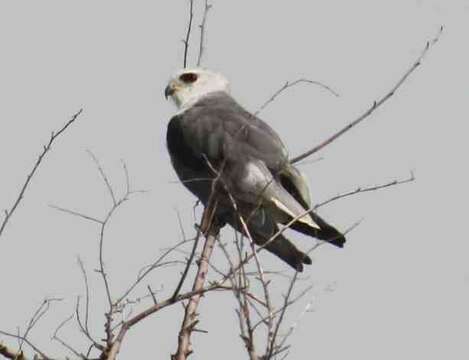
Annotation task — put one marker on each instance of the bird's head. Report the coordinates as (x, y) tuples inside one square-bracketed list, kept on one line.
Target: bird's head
[(187, 86)]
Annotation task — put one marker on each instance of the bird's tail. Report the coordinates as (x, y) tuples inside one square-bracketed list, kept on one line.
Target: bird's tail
[(325, 232), (285, 250)]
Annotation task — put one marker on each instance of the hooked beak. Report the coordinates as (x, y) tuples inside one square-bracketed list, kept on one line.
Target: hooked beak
[(170, 89)]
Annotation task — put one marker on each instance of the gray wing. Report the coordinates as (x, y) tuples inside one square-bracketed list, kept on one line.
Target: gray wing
[(222, 130)]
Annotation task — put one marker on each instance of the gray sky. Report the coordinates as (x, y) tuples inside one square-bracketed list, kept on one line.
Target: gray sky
[(400, 286)]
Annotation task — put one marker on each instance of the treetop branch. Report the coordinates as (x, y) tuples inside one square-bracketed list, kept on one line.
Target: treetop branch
[(376, 104)]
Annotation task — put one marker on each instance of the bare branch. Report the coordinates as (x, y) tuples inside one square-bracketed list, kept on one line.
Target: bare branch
[(87, 292), (27, 342), (281, 344), (360, 189), (188, 264), (76, 213), (101, 264), (84, 330), (127, 177), (181, 227), (147, 269), (375, 105), (202, 27), (264, 282), (211, 230), (113, 307), (38, 314), (245, 311), (127, 325), (188, 33), (103, 175), (288, 85), (56, 337), (272, 347), (46, 149), (152, 294)]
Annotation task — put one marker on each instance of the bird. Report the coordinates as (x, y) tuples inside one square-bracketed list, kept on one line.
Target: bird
[(212, 139)]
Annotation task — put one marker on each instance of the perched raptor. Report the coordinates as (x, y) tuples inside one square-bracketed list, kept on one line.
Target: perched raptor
[(212, 135)]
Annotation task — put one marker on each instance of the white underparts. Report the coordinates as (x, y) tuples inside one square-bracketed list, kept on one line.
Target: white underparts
[(255, 177)]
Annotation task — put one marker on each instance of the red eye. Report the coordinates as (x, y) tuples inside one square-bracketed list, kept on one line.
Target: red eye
[(188, 77)]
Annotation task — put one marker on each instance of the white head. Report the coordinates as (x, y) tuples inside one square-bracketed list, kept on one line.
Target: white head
[(189, 85)]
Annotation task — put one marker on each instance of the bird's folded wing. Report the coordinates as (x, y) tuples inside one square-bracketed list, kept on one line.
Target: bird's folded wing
[(284, 205), (220, 129)]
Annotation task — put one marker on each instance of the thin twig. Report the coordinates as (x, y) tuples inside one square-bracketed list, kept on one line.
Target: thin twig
[(188, 33), (86, 332), (103, 175), (127, 325), (147, 269), (181, 226), (264, 282), (281, 344), (282, 314), (375, 105), (188, 265), (152, 294), (202, 27), (113, 307), (76, 213), (56, 337), (288, 85), (244, 314), (127, 177), (361, 189), (101, 260), (46, 149), (87, 292), (38, 314), (249, 340)]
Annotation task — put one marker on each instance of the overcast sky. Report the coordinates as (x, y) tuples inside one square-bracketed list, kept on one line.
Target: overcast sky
[(399, 289)]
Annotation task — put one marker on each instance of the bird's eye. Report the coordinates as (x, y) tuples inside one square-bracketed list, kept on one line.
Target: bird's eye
[(188, 78)]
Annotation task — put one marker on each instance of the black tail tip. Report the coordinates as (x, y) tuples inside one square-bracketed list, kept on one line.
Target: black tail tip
[(338, 241), (305, 259), (328, 232), (332, 236)]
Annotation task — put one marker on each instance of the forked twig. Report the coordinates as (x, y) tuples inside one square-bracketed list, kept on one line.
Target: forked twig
[(291, 84), (286, 304), (27, 342), (56, 337), (46, 149)]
